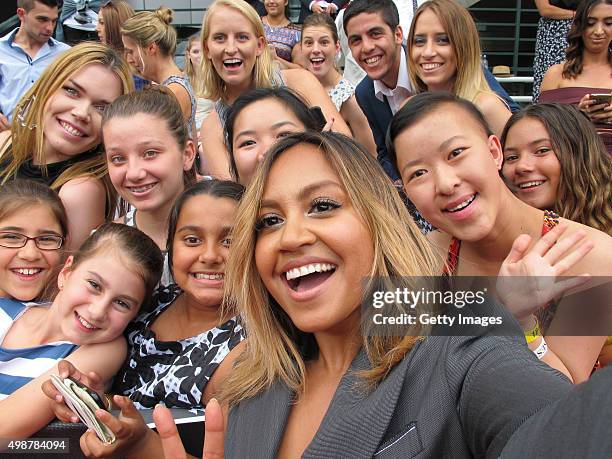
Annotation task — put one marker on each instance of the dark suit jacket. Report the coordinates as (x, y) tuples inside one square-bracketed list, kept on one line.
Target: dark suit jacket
[(449, 397), (379, 117)]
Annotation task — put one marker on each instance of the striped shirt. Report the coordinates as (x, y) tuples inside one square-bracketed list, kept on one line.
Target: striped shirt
[(20, 366)]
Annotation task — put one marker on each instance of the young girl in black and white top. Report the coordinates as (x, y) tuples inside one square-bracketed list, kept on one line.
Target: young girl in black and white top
[(150, 159), (175, 349), (179, 353)]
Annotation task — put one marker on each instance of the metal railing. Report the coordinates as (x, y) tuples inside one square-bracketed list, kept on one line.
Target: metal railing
[(508, 32)]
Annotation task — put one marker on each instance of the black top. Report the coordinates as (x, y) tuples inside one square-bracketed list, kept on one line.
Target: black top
[(566, 4), (28, 170)]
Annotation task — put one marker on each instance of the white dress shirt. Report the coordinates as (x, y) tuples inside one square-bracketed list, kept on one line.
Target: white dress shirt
[(402, 90)]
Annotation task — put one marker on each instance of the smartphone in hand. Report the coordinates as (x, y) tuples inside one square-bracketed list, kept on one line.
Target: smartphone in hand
[(601, 99), (84, 402)]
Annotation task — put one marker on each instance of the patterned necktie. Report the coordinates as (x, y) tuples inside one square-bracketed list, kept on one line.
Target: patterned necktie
[(414, 5)]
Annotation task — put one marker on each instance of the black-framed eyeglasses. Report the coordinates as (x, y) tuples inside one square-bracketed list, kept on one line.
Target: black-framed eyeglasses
[(12, 240)]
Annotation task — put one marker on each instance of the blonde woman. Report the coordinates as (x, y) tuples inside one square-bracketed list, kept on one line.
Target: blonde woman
[(317, 379), (150, 43), (193, 63), (236, 59), (444, 49), (56, 134)]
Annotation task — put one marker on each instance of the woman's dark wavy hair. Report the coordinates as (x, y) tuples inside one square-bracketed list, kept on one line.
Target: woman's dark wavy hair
[(573, 62), (287, 97), (584, 194), (215, 188)]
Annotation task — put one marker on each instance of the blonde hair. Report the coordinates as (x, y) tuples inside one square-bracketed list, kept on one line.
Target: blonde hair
[(26, 141), (211, 85), (193, 73), (148, 27), (275, 347), (463, 36)]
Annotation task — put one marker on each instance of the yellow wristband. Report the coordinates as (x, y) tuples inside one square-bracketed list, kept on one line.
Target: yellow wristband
[(533, 334)]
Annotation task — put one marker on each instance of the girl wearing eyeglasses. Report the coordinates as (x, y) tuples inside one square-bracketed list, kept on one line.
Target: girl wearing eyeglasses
[(33, 227), (102, 287)]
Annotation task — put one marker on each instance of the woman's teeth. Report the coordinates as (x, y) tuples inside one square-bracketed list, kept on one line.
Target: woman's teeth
[(463, 205), (217, 276), (431, 66), (141, 189), (232, 62), (309, 269), (71, 130), (531, 184)]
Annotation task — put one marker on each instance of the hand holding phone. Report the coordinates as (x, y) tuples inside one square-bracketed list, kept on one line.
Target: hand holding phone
[(84, 402), (601, 101)]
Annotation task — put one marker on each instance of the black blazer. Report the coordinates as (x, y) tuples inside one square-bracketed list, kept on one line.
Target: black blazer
[(379, 117)]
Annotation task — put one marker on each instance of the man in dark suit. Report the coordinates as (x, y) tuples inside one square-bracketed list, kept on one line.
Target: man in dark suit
[(375, 39)]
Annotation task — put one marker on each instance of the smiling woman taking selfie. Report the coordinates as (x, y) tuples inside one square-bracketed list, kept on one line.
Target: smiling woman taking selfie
[(312, 382)]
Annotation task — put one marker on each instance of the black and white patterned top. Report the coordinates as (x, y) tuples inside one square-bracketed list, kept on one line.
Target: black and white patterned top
[(185, 83), (172, 372), (341, 93)]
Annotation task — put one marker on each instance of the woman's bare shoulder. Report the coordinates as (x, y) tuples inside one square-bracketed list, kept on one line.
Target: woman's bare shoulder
[(597, 261), (553, 77)]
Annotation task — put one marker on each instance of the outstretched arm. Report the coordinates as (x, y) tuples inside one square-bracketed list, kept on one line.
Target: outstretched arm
[(307, 86), (351, 111), (553, 12), (215, 159), (30, 410)]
